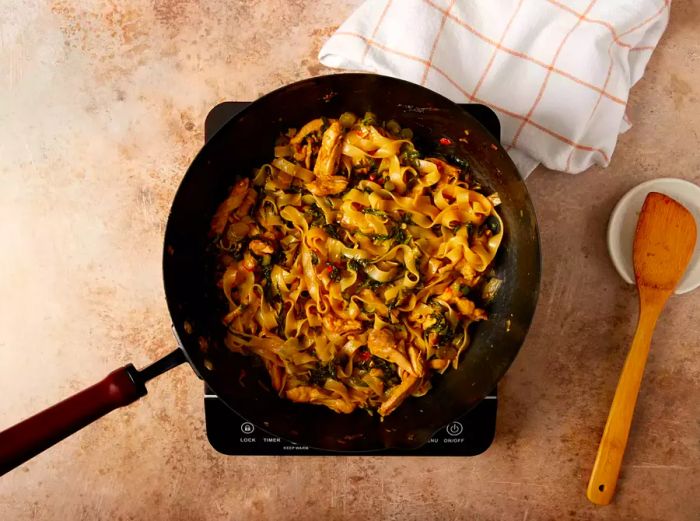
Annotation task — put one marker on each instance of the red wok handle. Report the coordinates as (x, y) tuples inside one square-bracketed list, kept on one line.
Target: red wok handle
[(36, 434)]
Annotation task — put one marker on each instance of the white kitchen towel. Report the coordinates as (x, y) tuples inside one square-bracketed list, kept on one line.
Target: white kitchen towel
[(557, 72)]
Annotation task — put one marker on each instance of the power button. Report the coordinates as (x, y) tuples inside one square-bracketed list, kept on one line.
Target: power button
[(454, 429)]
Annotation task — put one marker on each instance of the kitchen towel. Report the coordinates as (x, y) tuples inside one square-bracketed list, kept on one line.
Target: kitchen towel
[(557, 72)]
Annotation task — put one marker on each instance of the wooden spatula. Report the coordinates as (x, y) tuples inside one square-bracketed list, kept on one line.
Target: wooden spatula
[(663, 244)]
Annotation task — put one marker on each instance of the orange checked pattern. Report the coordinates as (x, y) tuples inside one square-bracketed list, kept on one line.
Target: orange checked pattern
[(557, 72)]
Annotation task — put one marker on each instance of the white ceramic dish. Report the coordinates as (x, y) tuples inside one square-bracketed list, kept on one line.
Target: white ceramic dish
[(623, 222)]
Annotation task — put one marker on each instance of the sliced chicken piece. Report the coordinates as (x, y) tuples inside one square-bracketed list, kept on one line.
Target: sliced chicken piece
[(329, 153), (398, 394), (233, 276), (277, 375), (326, 163), (307, 394), (336, 324), (261, 247), (249, 261), (272, 235), (417, 361), (466, 271), (464, 306), (381, 343), (238, 230), (322, 186), (248, 201), (307, 155), (232, 202)]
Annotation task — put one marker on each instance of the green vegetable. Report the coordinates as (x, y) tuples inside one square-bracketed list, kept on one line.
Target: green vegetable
[(317, 215), (333, 272), (322, 373), (492, 224), (347, 119), (373, 284), (441, 324), (314, 258), (445, 333), (397, 233), (355, 265), (407, 218), (462, 163), (373, 211), (359, 382), (389, 186), (409, 156), (332, 230), (268, 288), (406, 133), (370, 283), (402, 236), (390, 373), (370, 119), (381, 237), (393, 127)]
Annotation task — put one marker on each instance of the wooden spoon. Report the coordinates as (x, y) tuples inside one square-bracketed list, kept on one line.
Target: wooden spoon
[(663, 244)]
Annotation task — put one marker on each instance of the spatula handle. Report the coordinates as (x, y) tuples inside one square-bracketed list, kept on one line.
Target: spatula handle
[(606, 468)]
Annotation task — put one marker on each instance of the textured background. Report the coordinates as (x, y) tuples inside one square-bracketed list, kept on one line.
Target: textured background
[(101, 110)]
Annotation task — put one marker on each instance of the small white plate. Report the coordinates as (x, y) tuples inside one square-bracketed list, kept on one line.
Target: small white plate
[(623, 223)]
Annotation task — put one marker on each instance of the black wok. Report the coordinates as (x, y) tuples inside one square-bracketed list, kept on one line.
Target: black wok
[(244, 143)]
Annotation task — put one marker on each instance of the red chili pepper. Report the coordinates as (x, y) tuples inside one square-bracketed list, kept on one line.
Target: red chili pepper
[(372, 177), (329, 268), (363, 356), (445, 141)]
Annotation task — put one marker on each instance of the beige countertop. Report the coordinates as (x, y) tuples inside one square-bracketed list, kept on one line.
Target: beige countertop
[(101, 109)]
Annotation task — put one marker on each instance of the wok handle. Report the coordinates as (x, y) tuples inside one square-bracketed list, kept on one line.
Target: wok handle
[(36, 434)]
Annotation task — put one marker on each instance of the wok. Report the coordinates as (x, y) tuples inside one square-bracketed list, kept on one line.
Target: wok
[(246, 142)]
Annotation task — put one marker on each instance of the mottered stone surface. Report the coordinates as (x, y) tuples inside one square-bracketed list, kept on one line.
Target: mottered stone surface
[(102, 106)]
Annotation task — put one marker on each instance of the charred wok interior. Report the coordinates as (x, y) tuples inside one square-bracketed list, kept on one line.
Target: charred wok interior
[(249, 137)]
